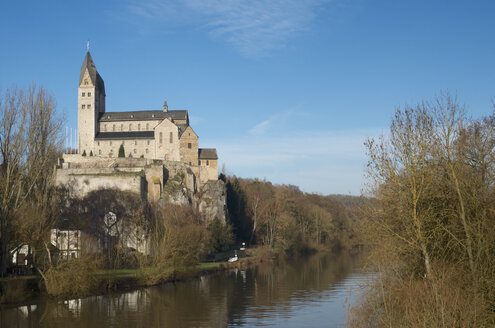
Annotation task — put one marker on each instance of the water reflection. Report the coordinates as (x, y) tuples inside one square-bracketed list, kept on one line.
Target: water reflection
[(297, 292)]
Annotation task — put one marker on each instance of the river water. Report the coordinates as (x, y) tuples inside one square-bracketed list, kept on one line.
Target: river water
[(312, 291)]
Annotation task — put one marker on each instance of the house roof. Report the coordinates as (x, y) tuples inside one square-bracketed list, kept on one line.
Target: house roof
[(143, 115), (207, 153), (96, 79), (125, 135)]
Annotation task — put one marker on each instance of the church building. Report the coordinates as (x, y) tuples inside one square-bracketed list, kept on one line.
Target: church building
[(154, 134)]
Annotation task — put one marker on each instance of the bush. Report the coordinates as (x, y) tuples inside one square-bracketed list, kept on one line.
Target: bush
[(73, 277), (121, 151)]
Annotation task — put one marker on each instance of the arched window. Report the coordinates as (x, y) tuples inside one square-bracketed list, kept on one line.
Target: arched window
[(171, 137), (146, 150), (161, 137)]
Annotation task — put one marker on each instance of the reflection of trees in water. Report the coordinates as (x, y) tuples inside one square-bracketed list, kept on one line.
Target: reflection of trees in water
[(211, 301)]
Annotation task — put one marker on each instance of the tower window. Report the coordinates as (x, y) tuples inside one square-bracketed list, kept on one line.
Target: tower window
[(89, 106), (84, 94), (110, 143), (85, 82), (146, 150), (171, 137), (189, 145), (83, 106), (89, 94)]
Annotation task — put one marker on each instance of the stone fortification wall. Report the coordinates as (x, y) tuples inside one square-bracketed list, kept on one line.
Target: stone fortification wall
[(147, 177), (81, 182)]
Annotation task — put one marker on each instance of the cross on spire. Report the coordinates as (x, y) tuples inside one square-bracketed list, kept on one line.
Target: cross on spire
[(87, 45)]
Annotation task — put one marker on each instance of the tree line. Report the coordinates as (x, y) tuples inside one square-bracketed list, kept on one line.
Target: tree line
[(284, 217)]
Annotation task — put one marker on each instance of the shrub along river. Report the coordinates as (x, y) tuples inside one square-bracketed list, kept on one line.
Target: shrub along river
[(307, 291)]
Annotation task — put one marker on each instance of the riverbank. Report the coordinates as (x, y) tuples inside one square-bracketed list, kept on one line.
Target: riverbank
[(17, 290)]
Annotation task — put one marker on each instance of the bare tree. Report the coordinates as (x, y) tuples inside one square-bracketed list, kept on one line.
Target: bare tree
[(29, 139), (400, 166)]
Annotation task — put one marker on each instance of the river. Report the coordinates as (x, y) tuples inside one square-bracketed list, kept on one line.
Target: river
[(309, 291)]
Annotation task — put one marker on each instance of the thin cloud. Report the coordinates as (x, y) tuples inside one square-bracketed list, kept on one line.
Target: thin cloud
[(254, 28)]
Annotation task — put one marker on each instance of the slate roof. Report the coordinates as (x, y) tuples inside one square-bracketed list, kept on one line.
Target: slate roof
[(143, 115), (125, 135), (93, 73), (207, 153)]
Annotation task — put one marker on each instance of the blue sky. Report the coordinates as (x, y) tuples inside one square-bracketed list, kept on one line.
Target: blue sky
[(285, 90)]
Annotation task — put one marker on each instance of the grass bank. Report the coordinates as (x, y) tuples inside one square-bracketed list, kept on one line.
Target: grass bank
[(21, 289)]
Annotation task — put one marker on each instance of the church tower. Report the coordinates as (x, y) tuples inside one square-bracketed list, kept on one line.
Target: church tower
[(90, 104)]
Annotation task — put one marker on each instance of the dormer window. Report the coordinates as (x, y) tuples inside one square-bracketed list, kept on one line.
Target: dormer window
[(132, 116), (108, 116)]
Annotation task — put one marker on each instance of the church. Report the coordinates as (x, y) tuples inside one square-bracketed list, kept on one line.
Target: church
[(153, 134)]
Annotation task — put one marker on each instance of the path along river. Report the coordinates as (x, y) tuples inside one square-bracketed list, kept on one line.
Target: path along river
[(308, 291)]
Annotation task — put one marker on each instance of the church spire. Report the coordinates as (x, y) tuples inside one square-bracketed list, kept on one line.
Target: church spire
[(89, 66)]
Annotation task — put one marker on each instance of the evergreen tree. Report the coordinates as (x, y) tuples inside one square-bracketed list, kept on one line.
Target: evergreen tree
[(121, 151), (84, 153), (91, 153)]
